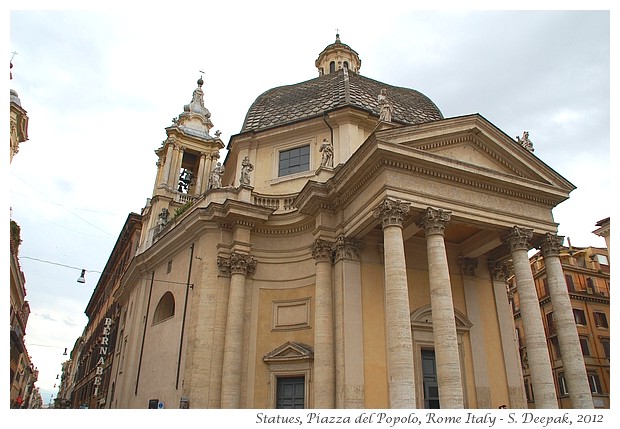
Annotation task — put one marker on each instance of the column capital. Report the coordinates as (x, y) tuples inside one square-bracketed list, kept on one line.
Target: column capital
[(237, 263), (434, 221), (347, 248), (518, 238), (468, 265), (500, 271), (223, 264), (550, 244), (391, 212), (321, 250)]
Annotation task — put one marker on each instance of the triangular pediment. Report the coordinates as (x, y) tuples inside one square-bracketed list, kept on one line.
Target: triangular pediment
[(289, 351), (474, 144), (472, 151)]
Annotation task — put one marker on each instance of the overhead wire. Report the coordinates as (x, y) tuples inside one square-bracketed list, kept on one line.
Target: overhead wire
[(96, 271), (63, 206)]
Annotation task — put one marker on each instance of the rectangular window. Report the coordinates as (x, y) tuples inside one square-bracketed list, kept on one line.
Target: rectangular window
[(601, 320), (545, 287), (605, 343), (569, 283), (562, 384), (556, 347), (580, 316), (595, 382), (591, 288), (602, 259), (430, 383), (550, 324), (528, 390), (585, 348), (290, 392), (294, 160)]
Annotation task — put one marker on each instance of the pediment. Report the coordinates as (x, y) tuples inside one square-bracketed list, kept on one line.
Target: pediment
[(289, 351), (423, 318), (472, 151), (472, 143)]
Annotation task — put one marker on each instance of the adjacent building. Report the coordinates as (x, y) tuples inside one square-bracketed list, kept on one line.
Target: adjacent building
[(86, 377), (23, 392), (586, 273), (350, 251)]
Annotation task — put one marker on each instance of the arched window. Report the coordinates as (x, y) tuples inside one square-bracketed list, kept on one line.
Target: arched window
[(346, 64), (332, 67), (164, 309)]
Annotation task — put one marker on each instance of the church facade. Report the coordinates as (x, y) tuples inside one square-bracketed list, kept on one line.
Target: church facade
[(350, 251)]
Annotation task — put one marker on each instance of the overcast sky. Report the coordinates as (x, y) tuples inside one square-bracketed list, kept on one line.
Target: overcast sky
[(100, 87)]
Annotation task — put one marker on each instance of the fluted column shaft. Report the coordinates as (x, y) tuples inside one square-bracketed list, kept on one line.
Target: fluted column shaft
[(324, 365), (568, 338), (444, 325), (240, 266), (397, 314), (535, 340)]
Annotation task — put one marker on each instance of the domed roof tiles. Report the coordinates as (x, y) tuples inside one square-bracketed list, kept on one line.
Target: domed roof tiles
[(304, 100)]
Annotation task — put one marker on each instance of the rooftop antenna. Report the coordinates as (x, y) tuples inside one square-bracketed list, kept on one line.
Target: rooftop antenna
[(11, 63)]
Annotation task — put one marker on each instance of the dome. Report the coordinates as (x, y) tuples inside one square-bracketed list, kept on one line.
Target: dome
[(312, 98)]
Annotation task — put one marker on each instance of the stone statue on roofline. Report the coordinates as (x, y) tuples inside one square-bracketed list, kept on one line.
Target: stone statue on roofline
[(386, 108), (525, 141), (246, 168), (215, 178), (327, 157)]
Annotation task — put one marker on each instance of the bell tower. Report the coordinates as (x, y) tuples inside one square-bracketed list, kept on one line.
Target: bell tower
[(337, 56), (185, 159)]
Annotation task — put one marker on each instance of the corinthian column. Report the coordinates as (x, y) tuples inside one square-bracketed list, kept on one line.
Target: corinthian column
[(535, 340), (397, 315), (568, 338), (240, 267), (444, 326), (324, 366)]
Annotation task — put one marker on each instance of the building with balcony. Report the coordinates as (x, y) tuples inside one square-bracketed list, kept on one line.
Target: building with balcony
[(586, 273)]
